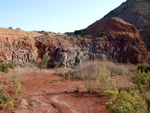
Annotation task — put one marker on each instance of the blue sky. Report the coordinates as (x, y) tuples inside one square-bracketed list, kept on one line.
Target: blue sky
[(53, 15)]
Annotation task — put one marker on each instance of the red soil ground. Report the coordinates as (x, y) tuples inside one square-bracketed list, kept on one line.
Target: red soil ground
[(42, 93)]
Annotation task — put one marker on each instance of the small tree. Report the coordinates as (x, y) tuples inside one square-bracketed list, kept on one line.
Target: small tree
[(127, 61), (10, 28), (125, 102), (44, 62)]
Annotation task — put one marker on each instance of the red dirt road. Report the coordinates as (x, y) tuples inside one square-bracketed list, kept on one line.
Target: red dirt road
[(45, 92)]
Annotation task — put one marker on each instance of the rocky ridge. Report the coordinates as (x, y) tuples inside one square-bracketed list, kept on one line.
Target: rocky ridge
[(124, 41), (136, 12), (120, 41)]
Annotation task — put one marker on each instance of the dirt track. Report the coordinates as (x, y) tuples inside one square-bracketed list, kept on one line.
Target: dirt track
[(45, 92)]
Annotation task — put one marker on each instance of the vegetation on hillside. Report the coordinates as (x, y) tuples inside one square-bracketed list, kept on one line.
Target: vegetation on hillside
[(123, 98), (12, 84), (4, 67)]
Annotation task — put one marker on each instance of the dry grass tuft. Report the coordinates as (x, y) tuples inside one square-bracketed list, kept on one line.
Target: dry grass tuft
[(93, 69)]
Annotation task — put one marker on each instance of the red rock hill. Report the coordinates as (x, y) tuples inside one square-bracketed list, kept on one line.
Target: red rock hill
[(109, 38), (122, 36)]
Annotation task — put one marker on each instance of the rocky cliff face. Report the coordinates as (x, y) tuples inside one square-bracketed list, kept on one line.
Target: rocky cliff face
[(18, 50), (17, 45), (110, 38), (136, 12), (123, 39)]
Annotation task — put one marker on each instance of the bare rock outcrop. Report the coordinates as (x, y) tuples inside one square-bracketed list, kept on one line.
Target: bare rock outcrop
[(123, 39), (109, 38), (17, 45), (136, 12)]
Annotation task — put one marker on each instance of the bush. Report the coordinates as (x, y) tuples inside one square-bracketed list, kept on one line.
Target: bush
[(46, 34), (5, 100), (26, 38), (56, 64), (77, 90), (142, 80), (16, 82), (44, 62), (12, 64), (90, 86), (4, 67), (1, 61), (104, 72), (102, 34), (18, 28), (77, 32), (143, 68), (147, 99), (127, 61), (10, 28), (18, 78), (125, 102)]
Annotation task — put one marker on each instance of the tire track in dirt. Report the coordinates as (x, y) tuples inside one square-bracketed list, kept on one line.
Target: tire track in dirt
[(43, 94)]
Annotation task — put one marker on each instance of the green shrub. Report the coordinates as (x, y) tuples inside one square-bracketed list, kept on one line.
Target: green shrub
[(125, 102), (12, 64), (16, 82), (26, 38), (1, 61), (6, 101), (44, 62), (77, 32), (147, 99), (46, 34), (57, 79), (16, 87), (4, 67), (10, 28), (142, 80), (67, 75), (143, 68), (18, 78), (127, 61), (102, 34), (3, 97), (90, 87), (77, 90), (56, 64), (149, 53)]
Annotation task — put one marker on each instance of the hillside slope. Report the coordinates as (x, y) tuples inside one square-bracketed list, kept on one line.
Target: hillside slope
[(121, 42), (16, 33), (136, 12), (124, 43)]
